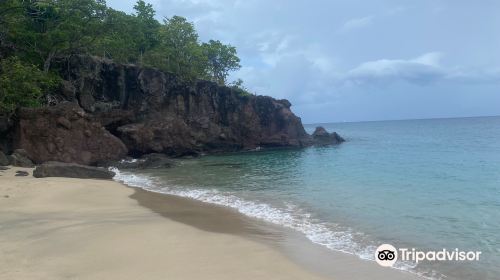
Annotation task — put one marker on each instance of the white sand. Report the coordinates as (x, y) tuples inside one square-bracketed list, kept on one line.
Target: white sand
[(59, 228)]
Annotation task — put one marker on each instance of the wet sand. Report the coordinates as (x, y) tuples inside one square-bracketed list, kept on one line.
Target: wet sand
[(294, 245)]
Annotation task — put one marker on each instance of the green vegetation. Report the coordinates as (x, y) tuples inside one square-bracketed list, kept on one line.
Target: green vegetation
[(42, 30), (178, 50), (35, 32), (221, 60), (238, 87), (23, 84)]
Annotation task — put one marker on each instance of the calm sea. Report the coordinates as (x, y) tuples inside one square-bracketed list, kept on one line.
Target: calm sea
[(425, 184)]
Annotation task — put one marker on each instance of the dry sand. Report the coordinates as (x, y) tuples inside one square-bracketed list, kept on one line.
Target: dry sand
[(61, 228)]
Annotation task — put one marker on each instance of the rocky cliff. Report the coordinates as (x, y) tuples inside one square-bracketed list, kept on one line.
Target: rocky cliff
[(108, 110), (65, 133)]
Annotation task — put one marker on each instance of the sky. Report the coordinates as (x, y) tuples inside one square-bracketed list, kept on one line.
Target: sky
[(358, 60)]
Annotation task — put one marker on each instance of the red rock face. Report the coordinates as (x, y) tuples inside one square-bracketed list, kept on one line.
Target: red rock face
[(153, 111), (112, 110), (65, 133)]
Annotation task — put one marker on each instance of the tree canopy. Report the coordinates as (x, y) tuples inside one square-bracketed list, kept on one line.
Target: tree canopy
[(42, 30), (221, 60), (34, 32), (22, 84)]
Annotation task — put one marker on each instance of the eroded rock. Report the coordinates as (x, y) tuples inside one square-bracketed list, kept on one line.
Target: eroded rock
[(155, 112), (71, 170), (65, 133), (322, 137), (20, 158), (21, 173)]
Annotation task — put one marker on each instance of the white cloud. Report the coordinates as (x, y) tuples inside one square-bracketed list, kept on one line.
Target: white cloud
[(309, 53), (356, 23), (431, 59), (421, 70), (302, 75), (475, 76)]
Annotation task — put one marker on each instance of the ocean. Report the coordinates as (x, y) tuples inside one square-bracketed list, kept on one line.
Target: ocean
[(425, 184)]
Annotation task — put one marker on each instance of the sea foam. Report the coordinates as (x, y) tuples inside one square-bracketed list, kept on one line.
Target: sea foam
[(328, 235)]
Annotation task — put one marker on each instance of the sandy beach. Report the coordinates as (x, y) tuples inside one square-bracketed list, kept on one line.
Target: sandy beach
[(60, 228)]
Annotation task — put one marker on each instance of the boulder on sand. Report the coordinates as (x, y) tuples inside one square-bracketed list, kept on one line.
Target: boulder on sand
[(20, 158), (21, 173), (71, 170), (4, 161)]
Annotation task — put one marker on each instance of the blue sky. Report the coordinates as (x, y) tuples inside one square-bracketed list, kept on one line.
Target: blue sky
[(354, 60)]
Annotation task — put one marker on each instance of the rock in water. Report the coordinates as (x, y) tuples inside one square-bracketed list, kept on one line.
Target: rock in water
[(71, 170), (3, 159), (149, 161), (322, 137), (20, 158), (65, 133)]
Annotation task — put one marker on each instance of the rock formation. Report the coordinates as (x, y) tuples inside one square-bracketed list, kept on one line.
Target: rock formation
[(152, 111), (322, 137), (20, 158), (21, 173), (65, 133), (111, 110), (71, 170)]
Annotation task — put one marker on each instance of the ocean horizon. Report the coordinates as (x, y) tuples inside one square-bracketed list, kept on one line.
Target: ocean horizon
[(315, 124), (427, 184)]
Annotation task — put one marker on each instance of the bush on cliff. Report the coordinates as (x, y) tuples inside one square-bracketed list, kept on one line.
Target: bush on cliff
[(238, 87), (23, 84)]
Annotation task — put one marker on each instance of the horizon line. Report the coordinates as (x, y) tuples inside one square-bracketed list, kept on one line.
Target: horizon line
[(417, 119)]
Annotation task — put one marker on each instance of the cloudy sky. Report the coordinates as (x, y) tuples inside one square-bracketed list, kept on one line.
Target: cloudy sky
[(355, 60)]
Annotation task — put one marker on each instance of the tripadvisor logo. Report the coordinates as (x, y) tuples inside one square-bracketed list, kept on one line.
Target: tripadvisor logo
[(387, 255)]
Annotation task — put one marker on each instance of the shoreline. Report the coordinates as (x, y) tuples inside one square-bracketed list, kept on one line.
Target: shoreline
[(61, 228), (291, 243)]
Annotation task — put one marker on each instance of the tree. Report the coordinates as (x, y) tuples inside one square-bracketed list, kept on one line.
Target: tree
[(148, 25), (121, 39), (37, 31), (46, 29), (221, 60), (34, 32), (128, 38), (145, 12), (179, 51), (23, 85)]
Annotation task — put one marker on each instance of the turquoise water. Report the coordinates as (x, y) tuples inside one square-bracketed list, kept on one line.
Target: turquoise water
[(426, 184)]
